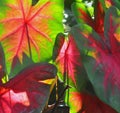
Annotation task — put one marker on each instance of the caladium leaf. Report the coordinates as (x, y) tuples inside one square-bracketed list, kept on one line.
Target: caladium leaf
[(83, 16), (67, 57), (30, 29), (112, 37), (101, 57), (86, 103), (27, 92)]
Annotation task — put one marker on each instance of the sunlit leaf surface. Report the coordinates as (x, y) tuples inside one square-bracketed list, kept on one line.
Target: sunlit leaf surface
[(30, 29), (27, 92), (86, 103), (67, 56)]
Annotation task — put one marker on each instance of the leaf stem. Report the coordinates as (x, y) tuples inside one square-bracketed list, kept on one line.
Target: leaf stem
[(61, 96), (28, 38), (66, 69)]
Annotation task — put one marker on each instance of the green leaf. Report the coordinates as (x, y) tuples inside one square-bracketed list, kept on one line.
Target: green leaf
[(100, 56), (96, 21), (30, 29), (103, 4), (81, 13)]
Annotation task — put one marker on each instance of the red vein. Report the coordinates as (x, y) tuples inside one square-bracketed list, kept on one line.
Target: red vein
[(11, 33), (12, 6), (35, 45), (30, 10), (10, 19), (46, 17), (20, 41), (28, 39), (11, 49), (73, 54), (22, 8), (41, 44), (28, 71), (39, 10), (86, 17), (70, 69), (74, 62), (40, 32)]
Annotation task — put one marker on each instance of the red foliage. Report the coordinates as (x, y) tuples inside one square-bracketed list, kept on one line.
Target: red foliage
[(26, 92), (85, 103), (68, 58)]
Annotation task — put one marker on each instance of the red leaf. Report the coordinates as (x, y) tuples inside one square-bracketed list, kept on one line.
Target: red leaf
[(85, 103), (109, 53), (105, 50), (27, 92), (68, 57), (102, 56)]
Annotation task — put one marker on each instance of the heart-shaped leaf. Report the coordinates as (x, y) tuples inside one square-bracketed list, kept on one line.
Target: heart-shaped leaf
[(28, 91), (67, 57), (101, 57), (30, 29)]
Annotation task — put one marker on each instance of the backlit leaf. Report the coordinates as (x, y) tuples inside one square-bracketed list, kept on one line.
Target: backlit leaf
[(27, 92), (86, 103), (101, 56), (67, 56), (30, 29)]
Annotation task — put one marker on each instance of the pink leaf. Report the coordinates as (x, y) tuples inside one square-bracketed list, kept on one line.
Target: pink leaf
[(68, 57), (27, 92)]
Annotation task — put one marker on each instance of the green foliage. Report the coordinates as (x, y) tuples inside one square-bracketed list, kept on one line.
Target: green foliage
[(86, 53), (31, 28), (93, 48)]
